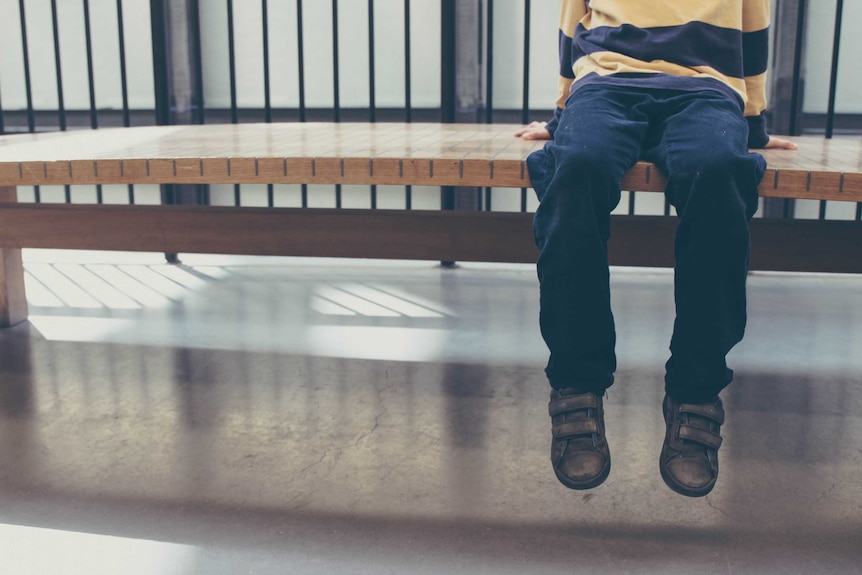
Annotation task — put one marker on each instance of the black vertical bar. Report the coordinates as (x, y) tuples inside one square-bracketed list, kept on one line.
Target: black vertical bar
[(372, 100), (88, 41), (448, 62), (796, 90), (489, 65), (833, 78), (833, 83), (234, 113), (448, 95), (124, 86), (408, 105), (631, 203), (525, 107), (301, 57), (408, 96), (2, 126), (31, 118), (448, 87), (161, 81), (267, 103), (61, 106), (336, 89), (94, 120)]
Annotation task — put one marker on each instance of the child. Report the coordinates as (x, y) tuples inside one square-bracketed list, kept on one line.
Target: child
[(680, 84)]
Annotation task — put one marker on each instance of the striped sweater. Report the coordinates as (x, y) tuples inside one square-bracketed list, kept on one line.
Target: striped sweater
[(677, 44)]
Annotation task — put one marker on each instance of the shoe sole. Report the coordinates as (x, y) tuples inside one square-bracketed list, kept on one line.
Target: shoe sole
[(581, 486)]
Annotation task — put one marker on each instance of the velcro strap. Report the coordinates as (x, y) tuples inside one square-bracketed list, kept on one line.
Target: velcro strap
[(713, 412), (707, 438), (573, 403), (575, 428)]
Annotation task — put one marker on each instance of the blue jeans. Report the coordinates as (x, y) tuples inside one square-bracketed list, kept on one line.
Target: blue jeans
[(699, 141)]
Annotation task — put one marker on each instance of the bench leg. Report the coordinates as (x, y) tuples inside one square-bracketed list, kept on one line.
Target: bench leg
[(13, 299)]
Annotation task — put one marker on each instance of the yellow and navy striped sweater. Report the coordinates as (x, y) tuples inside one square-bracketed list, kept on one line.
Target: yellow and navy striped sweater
[(677, 44)]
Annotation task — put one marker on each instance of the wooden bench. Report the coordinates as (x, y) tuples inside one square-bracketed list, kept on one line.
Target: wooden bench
[(400, 154)]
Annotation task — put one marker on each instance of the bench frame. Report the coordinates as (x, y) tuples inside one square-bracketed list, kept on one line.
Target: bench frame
[(791, 245)]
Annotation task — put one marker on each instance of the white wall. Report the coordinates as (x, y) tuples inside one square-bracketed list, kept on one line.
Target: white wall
[(353, 54)]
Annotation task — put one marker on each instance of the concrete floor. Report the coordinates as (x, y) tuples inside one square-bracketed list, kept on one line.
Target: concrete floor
[(252, 415)]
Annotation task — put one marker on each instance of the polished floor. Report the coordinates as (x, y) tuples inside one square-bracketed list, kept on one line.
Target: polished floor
[(253, 415)]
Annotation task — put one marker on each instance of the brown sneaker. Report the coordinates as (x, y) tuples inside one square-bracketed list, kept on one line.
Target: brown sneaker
[(579, 450), (689, 456)]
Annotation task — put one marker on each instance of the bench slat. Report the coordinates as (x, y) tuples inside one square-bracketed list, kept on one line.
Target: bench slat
[(360, 153)]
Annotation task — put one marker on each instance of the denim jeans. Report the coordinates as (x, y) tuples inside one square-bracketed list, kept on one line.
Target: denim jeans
[(699, 140)]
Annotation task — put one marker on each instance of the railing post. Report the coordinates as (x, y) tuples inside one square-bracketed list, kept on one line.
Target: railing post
[(161, 73), (178, 81), (460, 84), (833, 75), (177, 61), (448, 89), (787, 83), (448, 61), (461, 80)]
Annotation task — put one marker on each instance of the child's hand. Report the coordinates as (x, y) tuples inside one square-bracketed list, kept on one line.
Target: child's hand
[(535, 131), (779, 144)]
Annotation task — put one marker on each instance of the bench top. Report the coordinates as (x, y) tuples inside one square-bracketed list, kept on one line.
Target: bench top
[(362, 153)]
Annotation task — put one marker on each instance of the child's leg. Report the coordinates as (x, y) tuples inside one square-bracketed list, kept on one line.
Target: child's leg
[(712, 182), (577, 179)]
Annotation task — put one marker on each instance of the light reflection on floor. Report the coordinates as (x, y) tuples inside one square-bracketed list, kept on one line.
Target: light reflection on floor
[(37, 551), (136, 299)]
